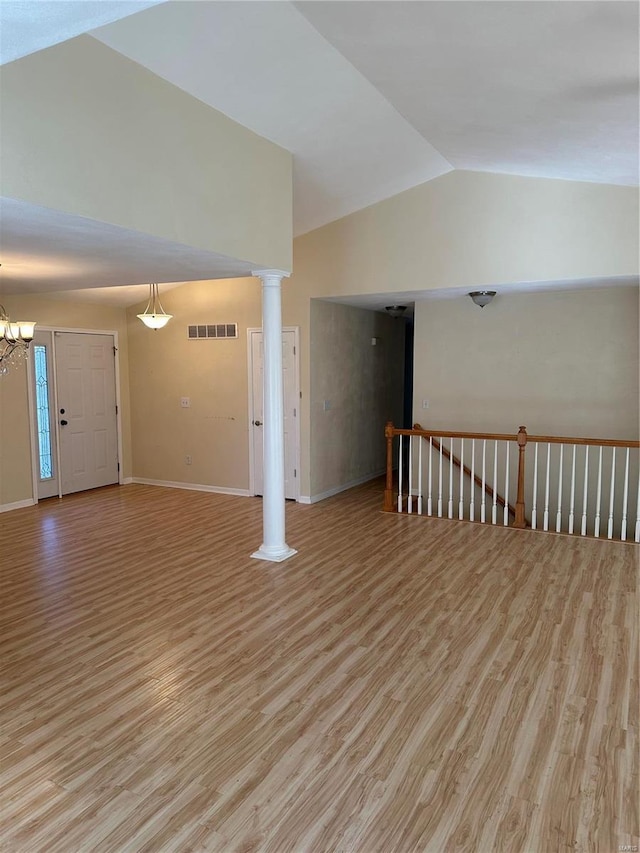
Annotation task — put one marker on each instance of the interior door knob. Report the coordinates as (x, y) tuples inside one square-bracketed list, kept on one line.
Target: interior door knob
[(257, 423)]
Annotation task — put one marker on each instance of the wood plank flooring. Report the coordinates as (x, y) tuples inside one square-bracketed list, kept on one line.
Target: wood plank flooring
[(401, 684)]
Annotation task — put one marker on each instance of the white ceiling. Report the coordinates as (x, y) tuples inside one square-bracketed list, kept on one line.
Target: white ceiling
[(31, 25), (40, 245), (371, 97), (265, 66), (546, 89)]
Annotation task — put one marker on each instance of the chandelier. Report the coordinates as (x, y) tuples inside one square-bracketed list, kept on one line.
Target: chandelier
[(154, 315), (15, 338)]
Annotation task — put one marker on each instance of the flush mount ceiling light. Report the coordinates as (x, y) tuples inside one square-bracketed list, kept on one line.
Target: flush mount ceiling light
[(482, 297), (15, 338), (395, 310), (154, 315)]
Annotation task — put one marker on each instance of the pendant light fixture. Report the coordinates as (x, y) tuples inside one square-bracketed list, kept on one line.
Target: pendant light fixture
[(154, 315), (482, 297), (395, 311)]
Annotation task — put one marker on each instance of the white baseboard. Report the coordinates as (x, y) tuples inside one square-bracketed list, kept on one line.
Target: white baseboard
[(192, 487), (126, 481), (314, 499), (17, 505)]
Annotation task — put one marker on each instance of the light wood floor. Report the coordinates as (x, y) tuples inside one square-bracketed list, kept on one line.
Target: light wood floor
[(402, 684)]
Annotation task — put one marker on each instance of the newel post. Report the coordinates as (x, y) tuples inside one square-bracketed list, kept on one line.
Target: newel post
[(388, 490), (522, 443)]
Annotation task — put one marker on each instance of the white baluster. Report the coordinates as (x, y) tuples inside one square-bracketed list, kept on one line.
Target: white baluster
[(484, 481), (450, 503), (421, 440), (636, 537), (596, 531), (625, 497), (440, 482), (534, 496), (494, 508), (429, 498), (409, 494), (461, 501), (505, 515), (559, 509), (572, 499), (545, 518), (583, 526), (472, 504), (611, 494), (400, 476)]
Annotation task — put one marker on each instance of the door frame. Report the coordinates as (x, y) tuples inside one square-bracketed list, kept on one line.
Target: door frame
[(32, 410), (296, 362)]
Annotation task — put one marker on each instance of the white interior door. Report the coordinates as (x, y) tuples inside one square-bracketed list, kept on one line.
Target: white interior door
[(86, 410), (290, 390)]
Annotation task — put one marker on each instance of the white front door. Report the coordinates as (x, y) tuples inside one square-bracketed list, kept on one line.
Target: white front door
[(291, 407), (86, 410)]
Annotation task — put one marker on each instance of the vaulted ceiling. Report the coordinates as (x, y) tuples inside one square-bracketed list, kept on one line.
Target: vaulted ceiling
[(375, 97)]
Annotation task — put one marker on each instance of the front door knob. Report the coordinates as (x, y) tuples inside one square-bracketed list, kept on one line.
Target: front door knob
[(257, 423), (63, 423)]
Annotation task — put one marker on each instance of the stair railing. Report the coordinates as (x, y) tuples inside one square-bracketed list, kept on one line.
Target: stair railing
[(465, 468), (583, 486)]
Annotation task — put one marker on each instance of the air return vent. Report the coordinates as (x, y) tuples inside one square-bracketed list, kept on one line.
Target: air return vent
[(215, 331)]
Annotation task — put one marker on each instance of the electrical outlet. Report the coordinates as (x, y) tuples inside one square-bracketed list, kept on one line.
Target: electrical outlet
[(185, 402), (327, 405), (187, 459), (425, 404)]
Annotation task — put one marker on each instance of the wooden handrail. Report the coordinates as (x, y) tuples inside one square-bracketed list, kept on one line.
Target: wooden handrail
[(478, 480), (499, 436), (490, 436), (595, 442)]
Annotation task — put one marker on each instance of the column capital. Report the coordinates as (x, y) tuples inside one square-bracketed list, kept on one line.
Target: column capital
[(265, 274)]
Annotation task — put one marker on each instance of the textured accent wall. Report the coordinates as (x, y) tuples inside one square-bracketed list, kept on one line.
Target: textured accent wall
[(363, 387)]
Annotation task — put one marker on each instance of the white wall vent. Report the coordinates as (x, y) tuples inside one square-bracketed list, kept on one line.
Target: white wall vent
[(215, 331)]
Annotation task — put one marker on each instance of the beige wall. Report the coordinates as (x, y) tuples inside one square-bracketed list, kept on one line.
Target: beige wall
[(89, 132), (363, 385), (213, 374), (563, 363), (15, 454), (474, 229)]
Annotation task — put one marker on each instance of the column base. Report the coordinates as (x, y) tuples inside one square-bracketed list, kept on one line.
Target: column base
[(274, 555)]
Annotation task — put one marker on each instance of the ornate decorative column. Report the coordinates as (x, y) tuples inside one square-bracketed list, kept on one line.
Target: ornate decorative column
[(274, 546)]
